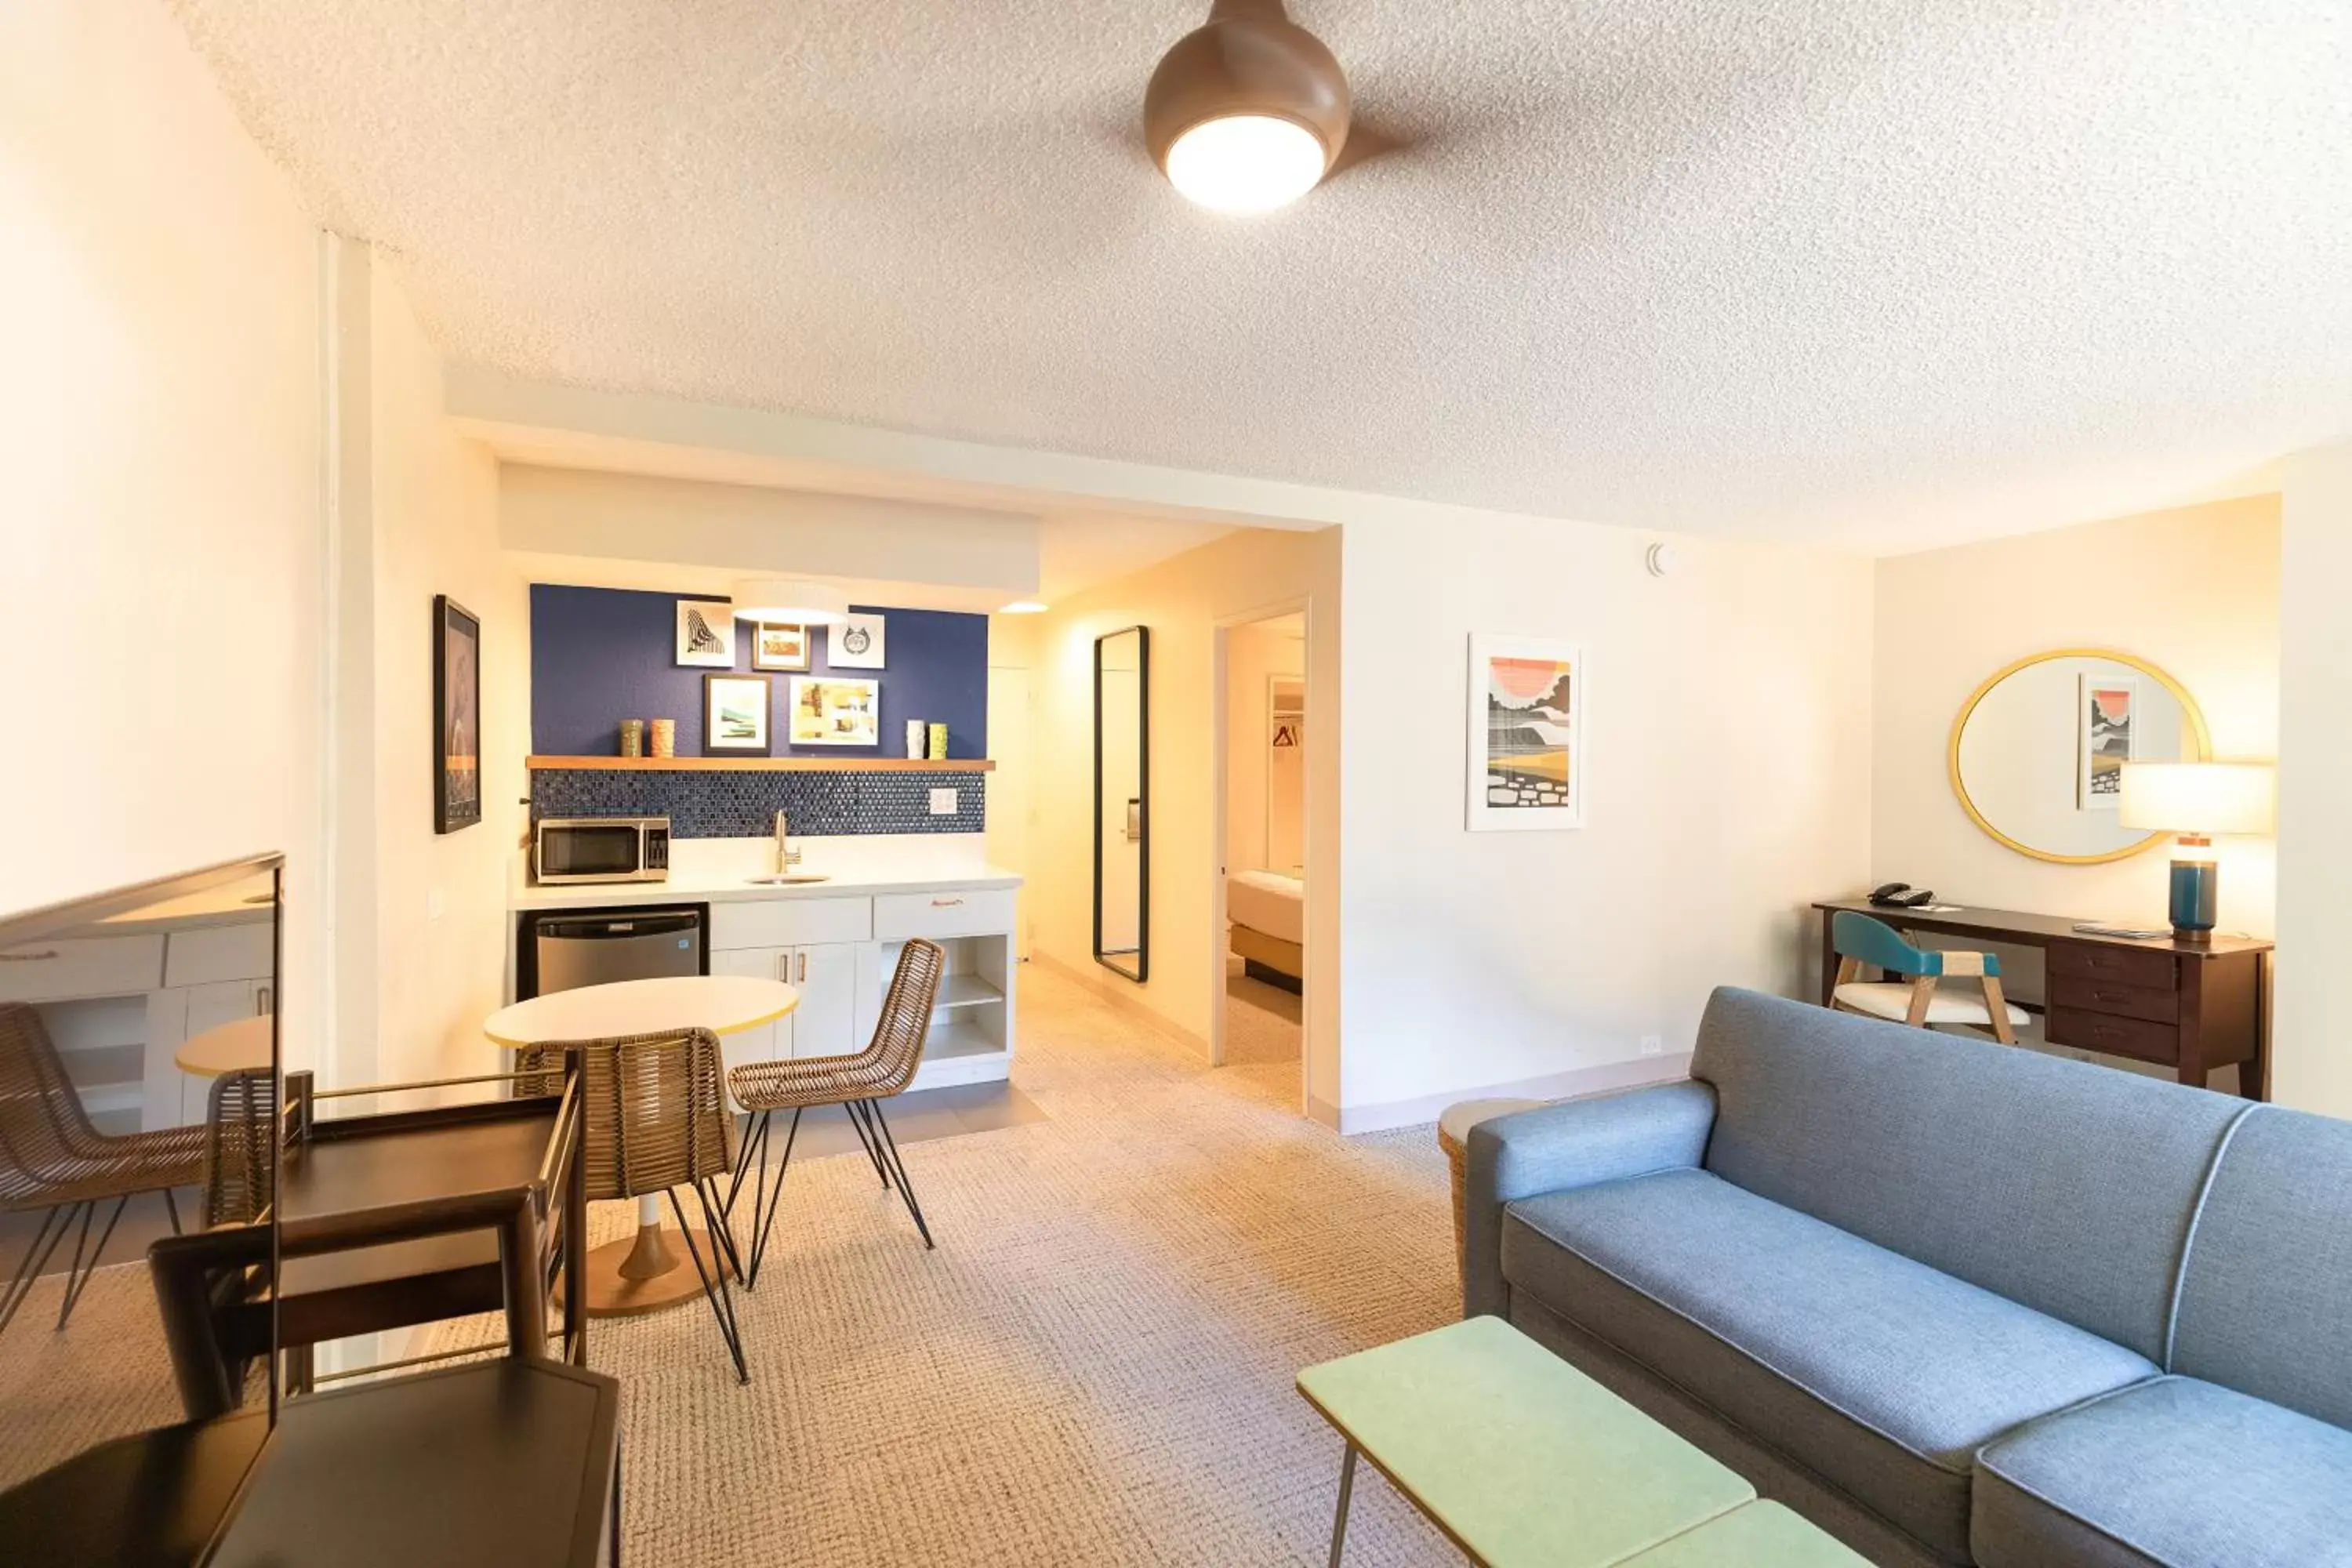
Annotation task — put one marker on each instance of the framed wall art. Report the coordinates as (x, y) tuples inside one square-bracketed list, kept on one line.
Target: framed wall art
[(855, 644), (775, 647), (456, 716), (735, 716), (706, 632), (1525, 738), (828, 712)]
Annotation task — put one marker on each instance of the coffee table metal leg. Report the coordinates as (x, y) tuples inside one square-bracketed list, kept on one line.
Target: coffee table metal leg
[(1340, 1518)]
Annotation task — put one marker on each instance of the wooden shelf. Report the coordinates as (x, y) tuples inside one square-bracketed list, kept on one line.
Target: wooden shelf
[(762, 765)]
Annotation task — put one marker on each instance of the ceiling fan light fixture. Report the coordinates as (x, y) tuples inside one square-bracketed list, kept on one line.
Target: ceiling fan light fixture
[(1248, 112), (1246, 162)]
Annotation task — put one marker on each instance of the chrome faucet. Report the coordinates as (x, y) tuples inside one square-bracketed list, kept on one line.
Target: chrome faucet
[(786, 855)]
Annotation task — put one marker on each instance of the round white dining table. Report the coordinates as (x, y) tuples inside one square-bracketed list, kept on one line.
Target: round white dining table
[(642, 1274), (234, 1047)]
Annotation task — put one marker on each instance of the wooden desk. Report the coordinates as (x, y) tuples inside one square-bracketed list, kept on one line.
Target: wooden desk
[(2191, 1006)]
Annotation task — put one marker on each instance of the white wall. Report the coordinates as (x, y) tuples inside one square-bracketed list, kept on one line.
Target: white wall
[(2310, 1062), (1256, 790), (1182, 600), (441, 925), (159, 474), (2193, 591), (1727, 765)]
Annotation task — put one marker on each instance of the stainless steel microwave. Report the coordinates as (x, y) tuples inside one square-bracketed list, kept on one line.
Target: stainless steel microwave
[(600, 850)]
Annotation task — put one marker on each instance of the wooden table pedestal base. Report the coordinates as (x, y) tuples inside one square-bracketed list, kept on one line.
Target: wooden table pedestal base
[(647, 1273)]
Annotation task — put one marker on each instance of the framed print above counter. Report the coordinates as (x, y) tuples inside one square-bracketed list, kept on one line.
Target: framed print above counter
[(737, 721)]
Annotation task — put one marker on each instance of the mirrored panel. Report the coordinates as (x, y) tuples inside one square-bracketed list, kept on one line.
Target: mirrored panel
[(2037, 753), (139, 1114), (1123, 803)]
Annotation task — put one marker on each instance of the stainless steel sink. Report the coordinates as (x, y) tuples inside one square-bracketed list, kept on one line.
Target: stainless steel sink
[(791, 879)]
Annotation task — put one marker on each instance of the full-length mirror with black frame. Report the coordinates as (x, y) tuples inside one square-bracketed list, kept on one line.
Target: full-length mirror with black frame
[(1123, 803)]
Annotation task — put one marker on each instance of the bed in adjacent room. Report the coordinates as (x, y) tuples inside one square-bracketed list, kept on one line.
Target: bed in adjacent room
[(1268, 911)]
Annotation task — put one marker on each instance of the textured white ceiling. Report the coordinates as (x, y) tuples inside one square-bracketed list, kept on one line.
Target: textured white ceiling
[(1885, 273)]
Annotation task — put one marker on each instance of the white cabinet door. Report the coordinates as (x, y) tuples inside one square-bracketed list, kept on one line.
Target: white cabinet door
[(769, 1042), (825, 1023)]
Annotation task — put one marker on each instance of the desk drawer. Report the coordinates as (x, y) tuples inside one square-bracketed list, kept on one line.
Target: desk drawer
[(2113, 996), (789, 922), (984, 913), (2135, 1037), (2097, 961), (61, 970)]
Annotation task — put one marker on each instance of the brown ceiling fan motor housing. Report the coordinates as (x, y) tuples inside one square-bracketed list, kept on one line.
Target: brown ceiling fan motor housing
[(1250, 59)]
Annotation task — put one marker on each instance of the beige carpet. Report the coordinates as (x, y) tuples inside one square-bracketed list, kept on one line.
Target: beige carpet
[(1095, 1367)]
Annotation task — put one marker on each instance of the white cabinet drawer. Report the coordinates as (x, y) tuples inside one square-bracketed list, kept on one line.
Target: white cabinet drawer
[(790, 922), (60, 970), (211, 953), (985, 912)]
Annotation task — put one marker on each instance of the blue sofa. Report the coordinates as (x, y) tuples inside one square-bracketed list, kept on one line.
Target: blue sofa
[(1958, 1302)]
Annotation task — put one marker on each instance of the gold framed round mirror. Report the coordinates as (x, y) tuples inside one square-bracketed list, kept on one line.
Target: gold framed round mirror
[(2037, 753)]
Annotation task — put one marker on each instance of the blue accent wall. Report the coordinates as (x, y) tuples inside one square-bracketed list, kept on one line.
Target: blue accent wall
[(602, 654)]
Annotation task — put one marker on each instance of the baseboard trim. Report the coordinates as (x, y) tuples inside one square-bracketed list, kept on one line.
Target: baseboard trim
[(1124, 999), (1578, 1083)]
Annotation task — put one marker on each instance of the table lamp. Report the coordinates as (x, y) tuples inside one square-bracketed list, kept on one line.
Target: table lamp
[(2196, 800)]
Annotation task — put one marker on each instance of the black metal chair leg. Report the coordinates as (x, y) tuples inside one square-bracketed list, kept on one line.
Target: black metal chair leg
[(854, 1109), (75, 1286), (899, 1166), (775, 1200), (751, 1120), (722, 1234), (714, 1286), (171, 1207), (36, 1255)]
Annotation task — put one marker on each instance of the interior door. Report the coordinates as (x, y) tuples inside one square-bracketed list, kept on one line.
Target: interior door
[(825, 1023), (769, 1042)]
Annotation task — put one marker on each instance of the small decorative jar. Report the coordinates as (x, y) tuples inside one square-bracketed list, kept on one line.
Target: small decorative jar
[(917, 737), (633, 737), (664, 737), (938, 743)]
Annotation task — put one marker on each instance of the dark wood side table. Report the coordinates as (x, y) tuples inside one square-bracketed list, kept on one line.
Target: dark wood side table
[(2191, 1006)]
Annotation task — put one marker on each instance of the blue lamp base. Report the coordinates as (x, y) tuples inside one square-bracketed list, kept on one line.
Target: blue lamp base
[(2196, 895)]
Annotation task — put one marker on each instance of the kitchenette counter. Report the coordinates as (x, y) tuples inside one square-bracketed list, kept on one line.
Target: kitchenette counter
[(713, 888)]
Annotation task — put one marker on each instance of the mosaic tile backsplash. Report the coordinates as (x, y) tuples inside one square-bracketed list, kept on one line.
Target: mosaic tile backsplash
[(711, 804)]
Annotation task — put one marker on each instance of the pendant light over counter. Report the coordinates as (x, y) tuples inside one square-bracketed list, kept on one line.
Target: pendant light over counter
[(1247, 113), (790, 601)]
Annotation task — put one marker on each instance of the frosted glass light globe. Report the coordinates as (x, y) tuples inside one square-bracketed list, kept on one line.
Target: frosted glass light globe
[(1245, 163)]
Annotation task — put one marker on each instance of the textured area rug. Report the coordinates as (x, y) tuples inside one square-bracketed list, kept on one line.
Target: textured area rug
[(1093, 1367)]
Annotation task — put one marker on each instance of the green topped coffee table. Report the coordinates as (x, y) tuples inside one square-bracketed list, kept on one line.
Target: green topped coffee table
[(1523, 1460)]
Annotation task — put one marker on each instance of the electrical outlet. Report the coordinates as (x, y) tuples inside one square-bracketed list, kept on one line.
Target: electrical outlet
[(943, 803), (1653, 1046)]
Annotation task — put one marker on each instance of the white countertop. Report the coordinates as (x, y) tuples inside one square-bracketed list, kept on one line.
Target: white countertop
[(717, 870)]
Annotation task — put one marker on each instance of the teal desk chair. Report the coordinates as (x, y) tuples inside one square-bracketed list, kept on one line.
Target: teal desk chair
[(1916, 999)]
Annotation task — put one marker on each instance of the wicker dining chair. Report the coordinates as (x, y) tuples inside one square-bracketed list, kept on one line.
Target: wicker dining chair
[(657, 1120), (52, 1159), (240, 1164), (858, 1083)]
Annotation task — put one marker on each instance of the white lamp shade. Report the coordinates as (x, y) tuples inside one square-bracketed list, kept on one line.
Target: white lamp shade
[(1246, 162), (789, 601), (2199, 797)]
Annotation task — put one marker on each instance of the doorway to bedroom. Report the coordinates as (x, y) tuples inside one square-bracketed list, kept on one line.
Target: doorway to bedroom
[(1258, 1023)]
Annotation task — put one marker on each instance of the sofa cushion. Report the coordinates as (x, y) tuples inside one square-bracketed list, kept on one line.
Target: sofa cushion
[(2058, 1184), (2174, 1471), (2266, 1298), (1876, 1372)]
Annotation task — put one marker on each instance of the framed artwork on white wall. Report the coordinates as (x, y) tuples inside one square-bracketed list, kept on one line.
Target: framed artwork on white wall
[(1525, 740)]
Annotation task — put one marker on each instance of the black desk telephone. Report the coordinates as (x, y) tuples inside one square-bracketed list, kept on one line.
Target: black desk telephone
[(1900, 896)]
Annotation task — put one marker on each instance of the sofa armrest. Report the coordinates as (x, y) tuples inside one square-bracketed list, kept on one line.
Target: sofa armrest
[(1575, 1143)]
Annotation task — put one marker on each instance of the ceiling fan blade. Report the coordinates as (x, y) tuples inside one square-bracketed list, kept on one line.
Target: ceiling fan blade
[(1368, 141)]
